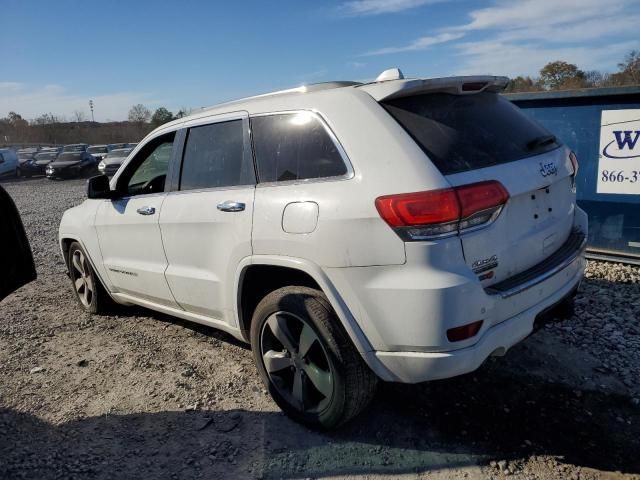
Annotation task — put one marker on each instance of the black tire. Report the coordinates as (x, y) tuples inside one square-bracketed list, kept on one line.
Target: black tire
[(98, 301), (353, 383)]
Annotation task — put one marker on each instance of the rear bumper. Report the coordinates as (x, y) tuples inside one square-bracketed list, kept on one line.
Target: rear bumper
[(404, 311), (414, 367)]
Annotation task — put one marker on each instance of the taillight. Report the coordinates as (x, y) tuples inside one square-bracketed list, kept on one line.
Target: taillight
[(437, 213), (574, 163)]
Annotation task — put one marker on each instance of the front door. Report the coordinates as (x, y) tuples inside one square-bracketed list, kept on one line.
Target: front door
[(128, 229), (206, 223)]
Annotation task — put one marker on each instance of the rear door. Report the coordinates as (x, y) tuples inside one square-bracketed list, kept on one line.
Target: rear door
[(206, 221), (482, 136)]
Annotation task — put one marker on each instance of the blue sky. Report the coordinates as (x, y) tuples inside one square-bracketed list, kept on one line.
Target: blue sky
[(56, 55)]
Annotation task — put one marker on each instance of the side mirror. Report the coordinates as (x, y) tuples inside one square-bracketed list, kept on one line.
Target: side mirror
[(98, 187)]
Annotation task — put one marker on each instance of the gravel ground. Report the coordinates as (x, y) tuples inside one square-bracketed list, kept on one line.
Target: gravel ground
[(141, 394)]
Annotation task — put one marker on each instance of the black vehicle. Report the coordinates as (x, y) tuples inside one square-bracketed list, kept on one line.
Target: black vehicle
[(75, 147), (111, 163), (38, 164), (98, 151), (71, 165), (16, 261)]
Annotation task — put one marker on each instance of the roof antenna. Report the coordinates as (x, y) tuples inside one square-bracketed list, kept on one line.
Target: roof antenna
[(390, 74)]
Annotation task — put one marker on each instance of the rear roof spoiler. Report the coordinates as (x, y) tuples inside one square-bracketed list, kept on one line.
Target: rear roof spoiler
[(387, 90)]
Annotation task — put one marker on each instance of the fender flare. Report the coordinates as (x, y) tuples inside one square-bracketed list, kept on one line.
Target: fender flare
[(315, 272)]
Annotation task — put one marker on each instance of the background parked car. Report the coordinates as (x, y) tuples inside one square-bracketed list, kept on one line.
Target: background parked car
[(116, 146), (75, 147), (98, 151), (8, 162), (25, 155), (110, 163), (38, 164), (71, 164)]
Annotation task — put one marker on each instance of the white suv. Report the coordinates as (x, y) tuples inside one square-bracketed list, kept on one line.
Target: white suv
[(402, 230)]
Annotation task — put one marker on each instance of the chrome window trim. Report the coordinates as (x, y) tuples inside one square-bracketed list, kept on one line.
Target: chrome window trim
[(350, 173)]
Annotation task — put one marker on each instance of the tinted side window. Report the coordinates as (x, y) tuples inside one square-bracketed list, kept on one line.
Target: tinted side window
[(214, 156), (294, 146)]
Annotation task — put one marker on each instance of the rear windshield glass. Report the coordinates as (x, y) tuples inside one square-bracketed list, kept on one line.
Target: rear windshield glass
[(466, 132)]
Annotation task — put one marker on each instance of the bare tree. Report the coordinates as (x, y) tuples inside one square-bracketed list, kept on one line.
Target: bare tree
[(79, 116), (139, 114)]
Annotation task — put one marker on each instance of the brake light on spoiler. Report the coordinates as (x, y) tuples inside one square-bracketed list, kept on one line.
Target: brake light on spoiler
[(444, 212)]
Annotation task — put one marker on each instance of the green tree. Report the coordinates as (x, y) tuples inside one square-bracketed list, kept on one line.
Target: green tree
[(161, 116), (560, 75)]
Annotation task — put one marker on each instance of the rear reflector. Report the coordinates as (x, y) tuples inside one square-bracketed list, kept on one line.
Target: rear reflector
[(423, 215), (465, 331)]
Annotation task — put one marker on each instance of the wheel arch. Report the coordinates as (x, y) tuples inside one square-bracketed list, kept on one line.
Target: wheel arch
[(261, 274)]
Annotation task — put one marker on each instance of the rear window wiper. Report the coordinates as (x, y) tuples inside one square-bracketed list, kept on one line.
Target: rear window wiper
[(542, 141)]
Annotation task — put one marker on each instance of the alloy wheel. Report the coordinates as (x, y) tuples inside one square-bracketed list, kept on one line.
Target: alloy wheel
[(81, 277), (296, 362)]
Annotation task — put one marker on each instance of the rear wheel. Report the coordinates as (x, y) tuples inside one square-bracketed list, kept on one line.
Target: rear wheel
[(306, 359), (91, 295)]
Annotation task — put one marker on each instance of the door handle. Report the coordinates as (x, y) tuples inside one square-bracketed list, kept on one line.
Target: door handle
[(146, 210), (231, 206)]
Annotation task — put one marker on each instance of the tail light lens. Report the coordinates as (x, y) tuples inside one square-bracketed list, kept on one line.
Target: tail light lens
[(438, 213)]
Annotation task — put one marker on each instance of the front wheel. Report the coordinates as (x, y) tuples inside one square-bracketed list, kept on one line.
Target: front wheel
[(91, 295), (306, 359)]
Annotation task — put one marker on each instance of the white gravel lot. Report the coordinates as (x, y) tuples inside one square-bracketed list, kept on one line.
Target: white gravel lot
[(143, 395)]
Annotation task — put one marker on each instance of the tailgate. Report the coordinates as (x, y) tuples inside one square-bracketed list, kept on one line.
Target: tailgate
[(533, 224)]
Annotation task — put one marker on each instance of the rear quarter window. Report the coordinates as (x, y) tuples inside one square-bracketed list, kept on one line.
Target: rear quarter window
[(466, 132), (294, 146)]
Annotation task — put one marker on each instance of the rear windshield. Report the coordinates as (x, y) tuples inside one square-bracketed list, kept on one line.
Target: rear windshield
[(466, 132)]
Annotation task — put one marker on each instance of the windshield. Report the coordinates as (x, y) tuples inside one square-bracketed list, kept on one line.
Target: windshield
[(25, 155), (70, 156), (45, 156), (466, 132), (97, 149)]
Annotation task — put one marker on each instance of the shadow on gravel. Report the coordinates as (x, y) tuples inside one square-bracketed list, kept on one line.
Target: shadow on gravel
[(448, 424)]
